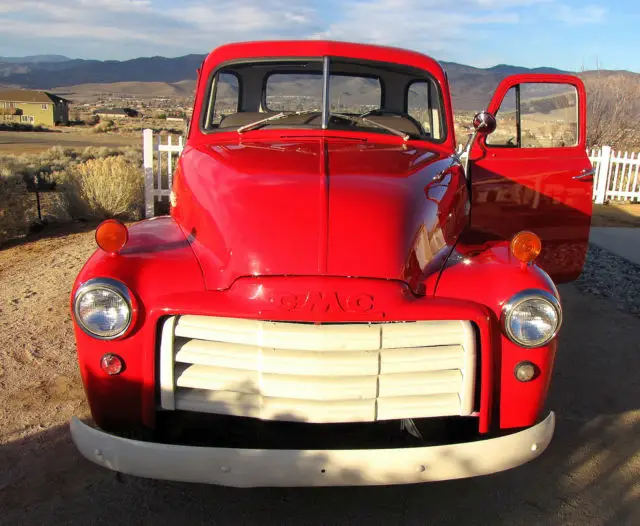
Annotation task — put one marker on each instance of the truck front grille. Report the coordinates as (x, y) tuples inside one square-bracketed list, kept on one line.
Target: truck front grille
[(317, 373)]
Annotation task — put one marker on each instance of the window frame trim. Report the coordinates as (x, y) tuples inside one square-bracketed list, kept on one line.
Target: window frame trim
[(519, 119), (420, 74), (214, 86), (433, 83)]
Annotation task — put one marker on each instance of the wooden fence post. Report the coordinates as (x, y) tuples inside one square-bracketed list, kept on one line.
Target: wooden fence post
[(602, 181), (147, 152)]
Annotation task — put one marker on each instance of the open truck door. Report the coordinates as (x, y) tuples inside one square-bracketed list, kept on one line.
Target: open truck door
[(532, 172)]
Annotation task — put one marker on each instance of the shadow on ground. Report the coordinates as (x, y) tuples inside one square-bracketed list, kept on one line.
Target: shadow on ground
[(53, 230), (589, 474), (616, 215)]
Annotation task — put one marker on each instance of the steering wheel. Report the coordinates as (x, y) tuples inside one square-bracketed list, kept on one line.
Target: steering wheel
[(397, 114)]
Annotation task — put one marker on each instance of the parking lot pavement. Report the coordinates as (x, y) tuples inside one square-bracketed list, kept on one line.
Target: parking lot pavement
[(624, 242)]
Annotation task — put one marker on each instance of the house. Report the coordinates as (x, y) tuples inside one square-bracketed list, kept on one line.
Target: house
[(116, 113), (33, 107)]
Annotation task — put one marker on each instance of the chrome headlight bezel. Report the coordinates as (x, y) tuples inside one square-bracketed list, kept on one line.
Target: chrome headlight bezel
[(518, 299), (114, 286)]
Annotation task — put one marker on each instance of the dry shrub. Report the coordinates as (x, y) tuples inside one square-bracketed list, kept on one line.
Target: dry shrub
[(106, 187), (104, 127), (94, 182), (613, 109), (16, 210)]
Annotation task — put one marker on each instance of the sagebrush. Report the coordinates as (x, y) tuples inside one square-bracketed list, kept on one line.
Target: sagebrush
[(106, 187), (95, 182)]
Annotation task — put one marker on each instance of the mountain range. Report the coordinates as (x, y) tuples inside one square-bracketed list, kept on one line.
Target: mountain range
[(471, 87)]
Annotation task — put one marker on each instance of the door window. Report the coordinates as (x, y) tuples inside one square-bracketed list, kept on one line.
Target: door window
[(423, 106), (537, 115), (227, 96), (506, 132)]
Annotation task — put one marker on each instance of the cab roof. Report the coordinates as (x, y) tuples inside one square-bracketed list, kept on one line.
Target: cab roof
[(321, 48)]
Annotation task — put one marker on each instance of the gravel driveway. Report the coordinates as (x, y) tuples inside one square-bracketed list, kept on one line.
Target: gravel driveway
[(589, 475)]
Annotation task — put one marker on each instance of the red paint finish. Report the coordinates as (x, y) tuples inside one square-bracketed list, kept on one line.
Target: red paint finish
[(156, 262), (339, 207), (534, 189), (319, 226), (490, 275), (129, 398)]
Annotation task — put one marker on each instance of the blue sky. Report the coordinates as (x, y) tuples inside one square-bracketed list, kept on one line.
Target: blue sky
[(566, 34)]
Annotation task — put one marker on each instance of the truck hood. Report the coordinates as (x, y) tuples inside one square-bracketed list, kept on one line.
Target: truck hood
[(319, 206)]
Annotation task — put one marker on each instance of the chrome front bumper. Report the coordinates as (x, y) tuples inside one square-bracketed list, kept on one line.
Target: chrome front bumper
[(361, 467)]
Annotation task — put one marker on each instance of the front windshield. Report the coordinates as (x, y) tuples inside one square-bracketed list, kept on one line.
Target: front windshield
[(380, 98), (303, 92)]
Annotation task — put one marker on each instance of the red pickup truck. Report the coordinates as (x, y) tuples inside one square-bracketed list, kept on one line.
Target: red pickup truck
[(337, 296)]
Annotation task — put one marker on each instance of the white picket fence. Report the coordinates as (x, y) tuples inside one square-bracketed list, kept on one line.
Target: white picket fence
[(616, 177), (616, 173), (158, 176)]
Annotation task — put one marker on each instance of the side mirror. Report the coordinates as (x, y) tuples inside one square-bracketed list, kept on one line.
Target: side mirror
[(484, 123)]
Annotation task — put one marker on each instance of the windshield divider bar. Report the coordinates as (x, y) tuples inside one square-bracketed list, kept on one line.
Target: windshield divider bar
[(326, 103)]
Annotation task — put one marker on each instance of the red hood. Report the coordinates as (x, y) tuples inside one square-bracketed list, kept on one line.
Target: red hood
[(318, 206)]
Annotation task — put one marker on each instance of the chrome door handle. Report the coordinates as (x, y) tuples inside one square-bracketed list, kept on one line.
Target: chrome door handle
[(586, 175)]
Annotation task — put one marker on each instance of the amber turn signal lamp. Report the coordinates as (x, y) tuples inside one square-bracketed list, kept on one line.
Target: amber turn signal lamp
[(526, 246), (112, 235)]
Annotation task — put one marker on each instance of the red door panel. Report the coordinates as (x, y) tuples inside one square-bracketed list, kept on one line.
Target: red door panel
[(538, 179)]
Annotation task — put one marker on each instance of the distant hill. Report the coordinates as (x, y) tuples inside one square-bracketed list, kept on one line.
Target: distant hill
[(73, 72), (34, 59), (93, 92), (159, 76), (505, 69), (471, 88)]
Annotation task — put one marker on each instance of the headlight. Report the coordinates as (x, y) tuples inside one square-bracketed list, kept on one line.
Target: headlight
[(102, 308), (532, 318)]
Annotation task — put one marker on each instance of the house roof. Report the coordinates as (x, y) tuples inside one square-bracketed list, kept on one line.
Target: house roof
[(25, 95)]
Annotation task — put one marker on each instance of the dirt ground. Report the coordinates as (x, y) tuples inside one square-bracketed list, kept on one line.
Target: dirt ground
[(14, 143), (616, 215), (589, 475)]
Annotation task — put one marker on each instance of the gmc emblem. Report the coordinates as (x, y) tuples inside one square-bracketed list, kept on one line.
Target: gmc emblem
[(327, 302)]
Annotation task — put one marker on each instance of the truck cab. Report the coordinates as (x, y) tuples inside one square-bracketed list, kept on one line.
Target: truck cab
[(340, 295)]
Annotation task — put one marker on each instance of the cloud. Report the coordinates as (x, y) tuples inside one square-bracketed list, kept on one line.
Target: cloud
[(127, 28), (123, 6), (246, 17), (589, 14), (504, 4), (167, 28), (433, 27)]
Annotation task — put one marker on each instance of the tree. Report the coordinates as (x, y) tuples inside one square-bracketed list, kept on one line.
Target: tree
[(612, 110)]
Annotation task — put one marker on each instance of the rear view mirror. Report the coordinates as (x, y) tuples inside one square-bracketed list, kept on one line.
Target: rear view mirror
[(484, 123)]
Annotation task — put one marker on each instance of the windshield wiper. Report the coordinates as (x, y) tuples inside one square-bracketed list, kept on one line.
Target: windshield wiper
[(277, 116), (353, 118), (357, 118)]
